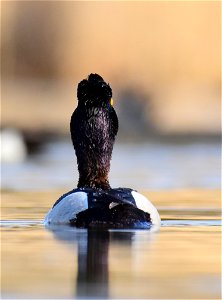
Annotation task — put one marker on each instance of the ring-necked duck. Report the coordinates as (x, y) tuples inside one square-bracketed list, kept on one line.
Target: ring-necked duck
[(93, 127)]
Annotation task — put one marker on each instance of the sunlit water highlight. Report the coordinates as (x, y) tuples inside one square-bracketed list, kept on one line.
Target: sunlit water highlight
[(165, 223)]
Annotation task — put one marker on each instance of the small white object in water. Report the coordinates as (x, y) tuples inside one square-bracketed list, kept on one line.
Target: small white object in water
[(13, 148)]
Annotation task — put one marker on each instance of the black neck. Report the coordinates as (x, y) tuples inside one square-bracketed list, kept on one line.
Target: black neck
[(93, 134), (96, 182)]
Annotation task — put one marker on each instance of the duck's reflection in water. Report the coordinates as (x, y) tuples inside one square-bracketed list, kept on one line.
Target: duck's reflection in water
[(93, 277), (93, 251)]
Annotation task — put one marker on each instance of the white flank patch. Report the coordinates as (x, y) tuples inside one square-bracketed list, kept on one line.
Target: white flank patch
[(67, 209), (144, 204)]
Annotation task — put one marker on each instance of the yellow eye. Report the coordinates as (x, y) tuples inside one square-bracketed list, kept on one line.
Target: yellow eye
[(111, 101)]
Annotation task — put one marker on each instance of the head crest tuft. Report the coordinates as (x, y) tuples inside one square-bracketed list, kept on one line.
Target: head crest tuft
[(94, 88)]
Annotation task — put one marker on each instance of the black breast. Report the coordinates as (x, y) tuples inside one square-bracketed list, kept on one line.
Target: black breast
[(121, 216)]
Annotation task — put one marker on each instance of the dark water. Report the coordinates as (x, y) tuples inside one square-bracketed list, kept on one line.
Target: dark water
[(180, 261)]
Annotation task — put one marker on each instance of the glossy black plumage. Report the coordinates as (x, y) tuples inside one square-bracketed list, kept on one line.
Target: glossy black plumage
[(120, 216), (93, 126)]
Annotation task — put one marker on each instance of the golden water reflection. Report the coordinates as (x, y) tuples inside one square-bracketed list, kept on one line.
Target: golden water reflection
[(180, 261)]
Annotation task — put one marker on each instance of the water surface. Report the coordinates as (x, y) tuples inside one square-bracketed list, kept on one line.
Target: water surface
[(152, 165), (180, 261)]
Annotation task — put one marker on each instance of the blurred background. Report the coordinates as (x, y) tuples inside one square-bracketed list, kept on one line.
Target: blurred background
[(162, 60)]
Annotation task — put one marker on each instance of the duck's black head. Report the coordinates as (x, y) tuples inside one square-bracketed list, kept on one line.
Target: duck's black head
[(94, 91), (94, 125)]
